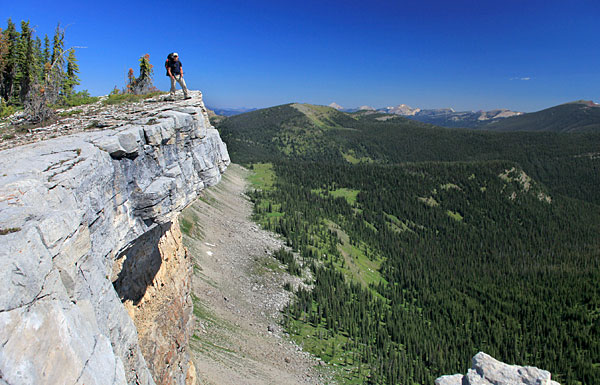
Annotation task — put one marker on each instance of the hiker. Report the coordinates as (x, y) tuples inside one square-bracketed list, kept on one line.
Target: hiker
[(175, 72)]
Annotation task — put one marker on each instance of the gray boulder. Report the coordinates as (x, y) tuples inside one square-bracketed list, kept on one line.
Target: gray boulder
[(488, 371)]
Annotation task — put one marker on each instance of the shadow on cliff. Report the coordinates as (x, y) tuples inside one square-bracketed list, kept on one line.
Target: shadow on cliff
[(138, 265)]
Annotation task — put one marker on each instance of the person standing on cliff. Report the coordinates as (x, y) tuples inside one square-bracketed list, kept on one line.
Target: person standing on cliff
[(175, 72)]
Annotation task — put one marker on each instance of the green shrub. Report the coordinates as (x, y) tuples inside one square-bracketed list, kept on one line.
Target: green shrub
[(118, 98), (78, 99), (6, 110), (9, 230)]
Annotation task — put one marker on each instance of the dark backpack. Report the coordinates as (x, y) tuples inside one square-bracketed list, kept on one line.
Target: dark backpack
[(168, 62)]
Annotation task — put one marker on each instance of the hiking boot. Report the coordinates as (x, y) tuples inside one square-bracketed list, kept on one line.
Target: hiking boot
[(187, 97)]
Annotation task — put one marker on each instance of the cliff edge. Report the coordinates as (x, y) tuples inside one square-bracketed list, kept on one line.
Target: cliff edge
[(95, 282)]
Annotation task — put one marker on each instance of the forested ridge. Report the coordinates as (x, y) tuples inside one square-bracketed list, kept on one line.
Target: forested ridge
[(429, 244), (579, 116)]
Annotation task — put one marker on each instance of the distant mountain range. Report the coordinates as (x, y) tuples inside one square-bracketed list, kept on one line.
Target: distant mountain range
[(230, 111), (445, 117), (578, 116)]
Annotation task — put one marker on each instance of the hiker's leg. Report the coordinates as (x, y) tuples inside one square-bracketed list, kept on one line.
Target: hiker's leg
[(172, 86), (183, 86)]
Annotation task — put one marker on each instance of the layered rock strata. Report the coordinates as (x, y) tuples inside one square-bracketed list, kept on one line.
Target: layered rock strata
[(488, 371), (95, 283)]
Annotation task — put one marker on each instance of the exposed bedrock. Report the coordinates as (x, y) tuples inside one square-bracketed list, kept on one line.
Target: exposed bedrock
[(95, 283), (486, 370)]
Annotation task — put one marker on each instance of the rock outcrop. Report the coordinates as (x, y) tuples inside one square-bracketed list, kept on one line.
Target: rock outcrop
[(489, 371), (95, 282)]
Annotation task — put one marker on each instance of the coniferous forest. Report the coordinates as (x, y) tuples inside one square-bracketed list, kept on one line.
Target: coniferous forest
[(426, 245), (39, 76), (36, 73)]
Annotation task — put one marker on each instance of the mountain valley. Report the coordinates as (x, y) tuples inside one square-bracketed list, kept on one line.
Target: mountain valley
[(429, 236)]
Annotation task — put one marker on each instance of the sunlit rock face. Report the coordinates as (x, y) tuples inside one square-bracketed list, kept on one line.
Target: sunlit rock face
[(95, 283)]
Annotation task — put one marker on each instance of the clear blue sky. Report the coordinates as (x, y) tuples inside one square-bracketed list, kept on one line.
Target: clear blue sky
[(467, 54)]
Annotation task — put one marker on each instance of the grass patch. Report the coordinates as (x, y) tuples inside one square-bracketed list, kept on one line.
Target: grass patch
[(454, 215), (397, 224), (320, 116), (6, 111), (350, 157), (348, 194), (209, 200), (360, 267), (371, 226), (78, 99), (449, 186), (356, 265), (430, 201), (334, 349), (186, 226), (200, 311), (263, 177), (129, 98), (189, 225)]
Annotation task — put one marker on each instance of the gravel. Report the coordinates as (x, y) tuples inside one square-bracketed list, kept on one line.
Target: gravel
[(239, 293)]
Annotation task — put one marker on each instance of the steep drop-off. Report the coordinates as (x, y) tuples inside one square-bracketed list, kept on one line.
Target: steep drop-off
[(95, 282)]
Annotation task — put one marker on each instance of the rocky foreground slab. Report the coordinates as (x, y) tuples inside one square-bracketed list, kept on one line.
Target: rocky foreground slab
[(488, 371)]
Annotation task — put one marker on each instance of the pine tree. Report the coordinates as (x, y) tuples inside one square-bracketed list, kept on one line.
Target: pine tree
[(46, 57), (55, 74), (71, 78), (25, 73), (3, 52), (10, 62), (58, 45), (142, 84), (39, 60), (46, 49)]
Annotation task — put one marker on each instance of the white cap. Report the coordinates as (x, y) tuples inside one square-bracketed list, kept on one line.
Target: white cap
[(175, 54)]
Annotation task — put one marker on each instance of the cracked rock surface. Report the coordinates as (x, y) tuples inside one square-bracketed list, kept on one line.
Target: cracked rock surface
[(69, 207)]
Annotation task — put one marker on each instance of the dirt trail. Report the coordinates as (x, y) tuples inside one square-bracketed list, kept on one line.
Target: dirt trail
[(238, 294)]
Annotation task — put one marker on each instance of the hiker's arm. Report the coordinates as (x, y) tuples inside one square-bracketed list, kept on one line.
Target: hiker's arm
[(180, 69), (169, 72)]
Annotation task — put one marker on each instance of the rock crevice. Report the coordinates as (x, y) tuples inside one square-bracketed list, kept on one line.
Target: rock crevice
[(93, 266)]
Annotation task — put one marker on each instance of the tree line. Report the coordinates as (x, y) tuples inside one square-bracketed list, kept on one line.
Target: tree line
[(35, 73)]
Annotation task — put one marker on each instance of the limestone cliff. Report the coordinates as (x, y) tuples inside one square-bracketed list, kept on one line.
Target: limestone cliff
[(95, 282), (488, 371)]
